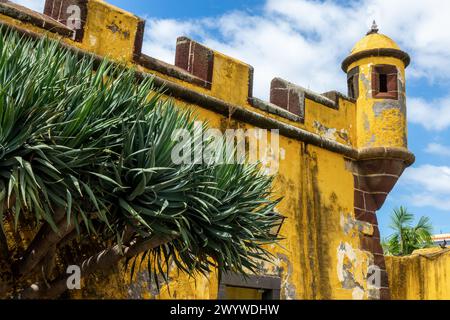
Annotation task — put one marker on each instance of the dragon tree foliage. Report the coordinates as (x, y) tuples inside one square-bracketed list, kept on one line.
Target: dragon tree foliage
[(85, 153)]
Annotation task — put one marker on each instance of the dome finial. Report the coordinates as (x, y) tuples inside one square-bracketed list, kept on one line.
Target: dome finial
[(374, 28)]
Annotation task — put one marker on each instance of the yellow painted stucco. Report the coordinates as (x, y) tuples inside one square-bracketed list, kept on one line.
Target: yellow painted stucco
[(380, 122), (424, 275), (321, 256), (337, 125), (110, 31), (374, 41)]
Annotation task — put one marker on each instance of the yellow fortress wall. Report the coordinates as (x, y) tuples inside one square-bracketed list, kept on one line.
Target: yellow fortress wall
[(339, 155), (424, 275)]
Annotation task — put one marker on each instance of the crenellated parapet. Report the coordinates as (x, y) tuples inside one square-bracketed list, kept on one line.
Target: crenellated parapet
[(106, 31)]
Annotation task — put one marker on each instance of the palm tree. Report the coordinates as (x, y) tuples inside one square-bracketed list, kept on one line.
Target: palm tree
[(85, 157), (406, 237)]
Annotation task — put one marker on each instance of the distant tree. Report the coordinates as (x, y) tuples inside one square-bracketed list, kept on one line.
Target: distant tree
[(407, 237)]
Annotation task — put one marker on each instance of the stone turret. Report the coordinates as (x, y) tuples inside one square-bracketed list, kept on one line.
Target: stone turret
[(376, 79)]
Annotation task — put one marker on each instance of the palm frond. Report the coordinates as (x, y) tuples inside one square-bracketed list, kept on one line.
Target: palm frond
[(406, 237)]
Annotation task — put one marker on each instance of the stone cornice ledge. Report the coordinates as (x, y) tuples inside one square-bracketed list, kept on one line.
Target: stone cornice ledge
[(274, 109), (387, 153), (380, 52), (246, 115)]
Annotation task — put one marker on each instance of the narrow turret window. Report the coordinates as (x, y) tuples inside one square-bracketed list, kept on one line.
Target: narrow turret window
[(384, 82), (353, 83)]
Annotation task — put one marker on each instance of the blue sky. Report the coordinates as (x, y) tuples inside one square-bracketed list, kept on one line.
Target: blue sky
[(304, 41)]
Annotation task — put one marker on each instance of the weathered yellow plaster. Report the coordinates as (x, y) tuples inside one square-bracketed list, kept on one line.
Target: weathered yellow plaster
[(110, 31), (424, 275), (380, 122), (230, 79), (337, 125)]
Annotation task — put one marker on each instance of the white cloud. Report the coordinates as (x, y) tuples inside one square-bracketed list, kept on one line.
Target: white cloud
[(36, 5), (438, 149), (304, 41), (433, 115), (430, 186)]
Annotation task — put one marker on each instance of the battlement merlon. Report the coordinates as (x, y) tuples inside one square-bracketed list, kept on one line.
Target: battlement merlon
[(203, 76)]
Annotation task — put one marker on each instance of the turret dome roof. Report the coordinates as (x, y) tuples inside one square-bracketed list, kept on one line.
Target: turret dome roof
[(375, 44), (374, 41)]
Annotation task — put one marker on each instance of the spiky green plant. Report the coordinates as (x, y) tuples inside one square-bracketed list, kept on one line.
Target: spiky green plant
[(407, 237), (86, 149)]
